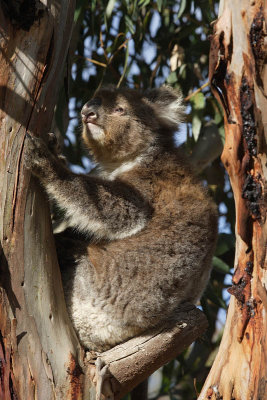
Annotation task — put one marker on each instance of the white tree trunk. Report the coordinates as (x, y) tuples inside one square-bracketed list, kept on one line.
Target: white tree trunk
[(38, 347), (239, 81)]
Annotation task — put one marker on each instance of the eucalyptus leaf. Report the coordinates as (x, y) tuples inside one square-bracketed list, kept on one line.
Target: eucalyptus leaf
[(211, 295), (198, 101), (182, 8), (130, 25), (225, 243), (172, 78), (110, 8), (220, 265), (222, 133), (146, 19), (125, 65), (80, 7), (182, 71), (196, 126), (77, 13), (159, 4), (143, 3)]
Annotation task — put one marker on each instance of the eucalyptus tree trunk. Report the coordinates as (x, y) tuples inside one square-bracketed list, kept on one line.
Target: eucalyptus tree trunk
[(38, 348), (40, 356), (238, 77)]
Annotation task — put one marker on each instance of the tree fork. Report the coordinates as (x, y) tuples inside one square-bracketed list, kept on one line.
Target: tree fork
[(238, 78)]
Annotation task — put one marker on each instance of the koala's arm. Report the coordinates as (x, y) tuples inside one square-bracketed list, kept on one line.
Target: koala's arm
[(108, 209)]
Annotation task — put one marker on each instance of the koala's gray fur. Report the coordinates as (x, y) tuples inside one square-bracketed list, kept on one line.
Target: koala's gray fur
[(149, 228)]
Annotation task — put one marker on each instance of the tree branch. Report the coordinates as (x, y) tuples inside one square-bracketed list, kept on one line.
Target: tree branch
[(135, 360)]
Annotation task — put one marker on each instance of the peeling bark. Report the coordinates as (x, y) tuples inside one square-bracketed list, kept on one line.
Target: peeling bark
[(239, 81)]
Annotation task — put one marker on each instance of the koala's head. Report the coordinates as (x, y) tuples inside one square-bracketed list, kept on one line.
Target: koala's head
[(120, 124)]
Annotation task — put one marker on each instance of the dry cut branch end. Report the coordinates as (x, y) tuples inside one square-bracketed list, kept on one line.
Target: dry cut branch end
[(132, 362)]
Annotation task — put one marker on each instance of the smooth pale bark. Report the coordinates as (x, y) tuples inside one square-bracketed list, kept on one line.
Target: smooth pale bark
[(239, 80), (38, 347)]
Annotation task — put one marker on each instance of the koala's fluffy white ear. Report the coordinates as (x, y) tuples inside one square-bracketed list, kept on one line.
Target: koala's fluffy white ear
[(168, 103)]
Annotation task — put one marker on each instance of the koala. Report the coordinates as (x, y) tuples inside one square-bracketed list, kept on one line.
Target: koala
[(144, 229)]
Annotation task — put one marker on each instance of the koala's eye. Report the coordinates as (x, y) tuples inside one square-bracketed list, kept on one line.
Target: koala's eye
[(118, 110)]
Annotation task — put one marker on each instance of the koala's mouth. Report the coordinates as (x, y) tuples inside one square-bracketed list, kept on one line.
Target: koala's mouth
[(92, 125), (89, 123), (95, 130)]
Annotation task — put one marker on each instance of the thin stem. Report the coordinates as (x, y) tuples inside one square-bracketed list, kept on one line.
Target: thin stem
[(197, 91)]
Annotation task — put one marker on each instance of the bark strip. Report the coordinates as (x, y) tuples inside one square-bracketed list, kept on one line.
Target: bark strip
[(239, 82)]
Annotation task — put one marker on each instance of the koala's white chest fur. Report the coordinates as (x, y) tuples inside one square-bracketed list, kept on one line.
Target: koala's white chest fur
[(124, 167), (96, 325), (86, 317)]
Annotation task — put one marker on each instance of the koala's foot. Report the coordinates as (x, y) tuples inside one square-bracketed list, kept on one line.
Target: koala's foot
[(36, 155), (101, 374)]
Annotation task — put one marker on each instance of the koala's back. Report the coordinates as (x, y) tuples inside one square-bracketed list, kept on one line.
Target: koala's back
[(120, 288)]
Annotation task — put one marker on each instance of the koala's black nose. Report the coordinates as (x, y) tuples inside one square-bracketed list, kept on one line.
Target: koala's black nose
[(89, 110)]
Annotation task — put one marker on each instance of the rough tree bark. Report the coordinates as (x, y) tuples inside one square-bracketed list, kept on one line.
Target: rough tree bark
[(238, 76), (40, 356)]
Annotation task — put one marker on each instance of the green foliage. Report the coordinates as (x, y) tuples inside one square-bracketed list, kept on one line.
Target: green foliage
[(198, 103), (146, 43)]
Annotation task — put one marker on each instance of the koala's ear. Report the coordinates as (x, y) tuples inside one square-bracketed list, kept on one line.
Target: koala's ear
[(168, 103)]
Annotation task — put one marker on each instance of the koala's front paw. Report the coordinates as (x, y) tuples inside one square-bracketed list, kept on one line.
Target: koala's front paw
[(53, 144), (54, 147), (36, 155)]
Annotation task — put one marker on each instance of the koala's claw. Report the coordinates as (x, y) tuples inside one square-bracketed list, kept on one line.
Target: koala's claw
[(36, 154), (52, 138), (28, 135), (102, 373), (54, 147), (53, 144)]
